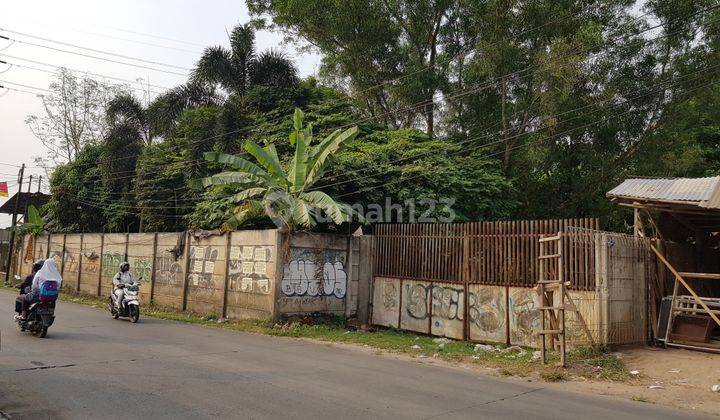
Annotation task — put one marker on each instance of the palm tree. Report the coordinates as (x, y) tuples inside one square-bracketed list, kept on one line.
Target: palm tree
[(239, 68), (160, 116), (285, 196)]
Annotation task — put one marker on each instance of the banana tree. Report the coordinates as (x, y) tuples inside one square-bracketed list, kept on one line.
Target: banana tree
[(285, 195), (34, 224)]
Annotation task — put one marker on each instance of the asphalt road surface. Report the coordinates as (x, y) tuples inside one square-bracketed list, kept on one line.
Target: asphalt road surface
[(91, 366)]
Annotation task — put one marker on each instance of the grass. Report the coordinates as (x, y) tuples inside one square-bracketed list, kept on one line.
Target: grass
[(590, 363)]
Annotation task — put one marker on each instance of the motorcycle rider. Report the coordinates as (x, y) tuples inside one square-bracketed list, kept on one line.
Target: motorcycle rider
[(48, 272), (122, 278), (25, 287)]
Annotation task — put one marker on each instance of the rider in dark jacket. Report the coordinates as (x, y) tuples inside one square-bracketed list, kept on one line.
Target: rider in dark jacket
[(25, 286)]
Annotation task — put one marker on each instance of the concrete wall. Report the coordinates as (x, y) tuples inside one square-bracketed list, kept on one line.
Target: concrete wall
[(320, 273), (169, 282), (252, 274), (496, 314), (206, 274)]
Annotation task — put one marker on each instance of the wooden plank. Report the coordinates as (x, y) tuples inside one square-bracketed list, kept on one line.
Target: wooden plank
[(679, 278), (705, 276)]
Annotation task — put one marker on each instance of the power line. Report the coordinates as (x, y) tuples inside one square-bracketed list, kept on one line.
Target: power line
[(146, 34), (11, 65), (564, 133), (648, 92), (122, 39), (80, 47), (415, 107), (457, 94), (25, 86), (101, 58), (104, 76)]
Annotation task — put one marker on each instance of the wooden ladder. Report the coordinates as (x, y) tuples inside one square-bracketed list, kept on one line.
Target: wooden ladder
[(552, 317)]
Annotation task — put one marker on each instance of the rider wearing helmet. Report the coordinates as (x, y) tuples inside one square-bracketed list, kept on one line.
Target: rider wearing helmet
[(122, 278), (25, 287)]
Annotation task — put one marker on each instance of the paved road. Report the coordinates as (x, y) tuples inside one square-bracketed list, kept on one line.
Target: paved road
[(91, 366)]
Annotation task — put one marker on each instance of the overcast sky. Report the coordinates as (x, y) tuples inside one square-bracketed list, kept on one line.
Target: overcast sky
[(179, 29)]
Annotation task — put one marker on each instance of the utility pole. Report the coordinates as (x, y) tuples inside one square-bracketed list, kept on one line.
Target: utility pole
[(14, 222), (30, 183), (39, 183)]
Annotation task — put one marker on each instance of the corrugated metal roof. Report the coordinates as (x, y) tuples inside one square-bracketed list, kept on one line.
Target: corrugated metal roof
[(691, 190)]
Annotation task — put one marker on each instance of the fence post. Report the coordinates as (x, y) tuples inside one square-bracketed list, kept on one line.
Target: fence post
[(127, 246), (188, 239), (152, 273), (227, 273), (80, 260), (62, 257), (47, 251), (466, 284), (100, 267)]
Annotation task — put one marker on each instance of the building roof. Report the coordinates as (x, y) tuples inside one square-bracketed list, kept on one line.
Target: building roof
[(701, 192), (26, 198)]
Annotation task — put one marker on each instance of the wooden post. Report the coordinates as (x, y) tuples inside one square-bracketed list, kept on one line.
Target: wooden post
[(188, 239), (152, 273), (80, 260), (679, 278), (543, 303), (100, 266), (127, 246), (227, 273), (47, 251), (561, 280)]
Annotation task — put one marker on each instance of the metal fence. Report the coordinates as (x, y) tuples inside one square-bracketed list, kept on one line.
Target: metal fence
[(492, 253)]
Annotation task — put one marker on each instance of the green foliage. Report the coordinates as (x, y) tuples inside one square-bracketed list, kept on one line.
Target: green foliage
[(283, 195)]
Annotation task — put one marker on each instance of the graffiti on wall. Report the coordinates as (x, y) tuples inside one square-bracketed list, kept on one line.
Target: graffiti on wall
[(389, 295), (315, 273), (485, 309), (248, 268), (524, 318), (168, 272), (111, 263), (71, 262), (91, 262), (141, 268), (202, 266)]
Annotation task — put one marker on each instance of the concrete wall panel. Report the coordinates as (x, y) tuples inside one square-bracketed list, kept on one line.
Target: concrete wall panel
[(206, 274), (113, 255), (487, 312), (415, 306), (90, 263), (251, 276), (315, 275), (71, 268), (386, 302), (140, 257), (169, 271)]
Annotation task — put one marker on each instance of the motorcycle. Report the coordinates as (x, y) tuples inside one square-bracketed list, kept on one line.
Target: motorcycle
[(40, 316), (130, 306)]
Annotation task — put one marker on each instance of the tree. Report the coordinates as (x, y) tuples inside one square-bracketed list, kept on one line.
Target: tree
[(284, 196), (370, 43), (239, 68), (160, 116), (74, 116)]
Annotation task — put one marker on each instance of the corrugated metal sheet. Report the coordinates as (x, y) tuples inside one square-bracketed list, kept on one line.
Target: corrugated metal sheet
[(714, 200), (697, 190)]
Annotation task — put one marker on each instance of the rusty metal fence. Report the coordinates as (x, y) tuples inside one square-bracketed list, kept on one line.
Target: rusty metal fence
[(491, 253)]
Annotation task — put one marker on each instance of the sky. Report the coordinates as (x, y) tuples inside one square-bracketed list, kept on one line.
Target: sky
[(177, 29)]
